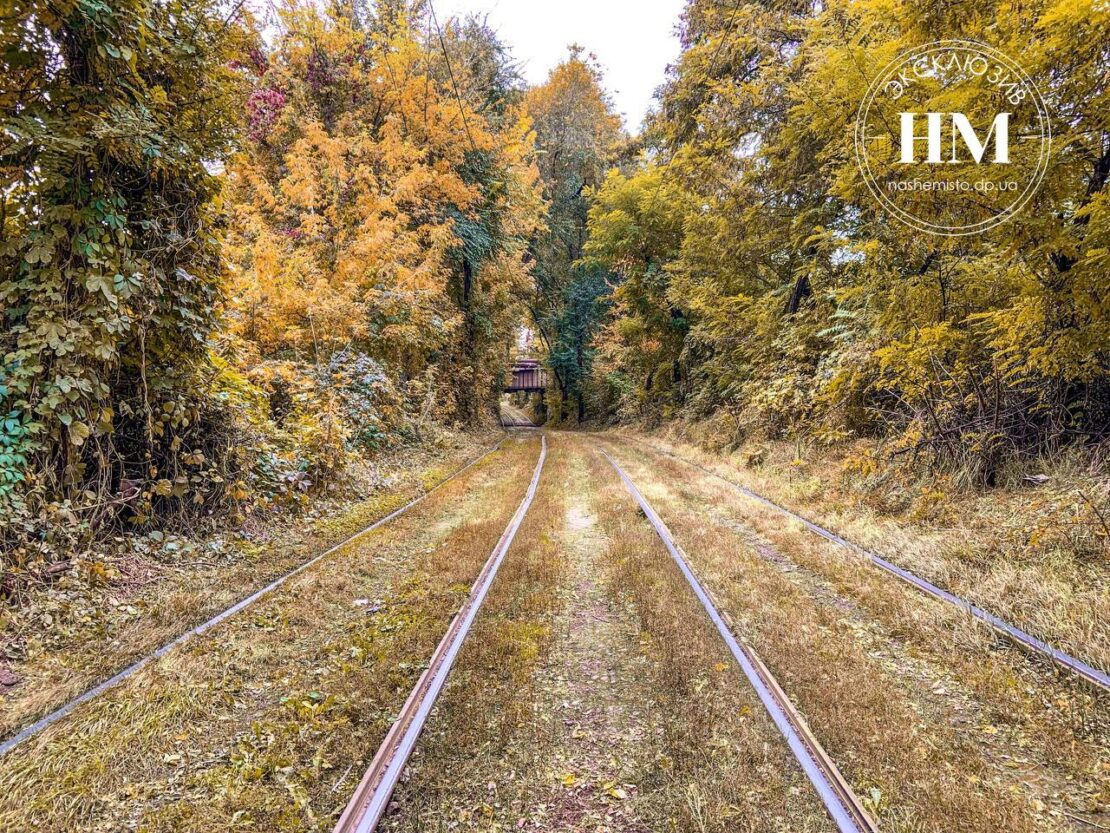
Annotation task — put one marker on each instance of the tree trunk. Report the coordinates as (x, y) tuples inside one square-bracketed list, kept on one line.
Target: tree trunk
[(799, 293)]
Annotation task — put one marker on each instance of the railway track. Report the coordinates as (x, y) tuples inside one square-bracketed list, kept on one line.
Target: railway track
[(513, 417), (841, 803), (374, 791), (1073, 665), (371, 796), (53, 717)]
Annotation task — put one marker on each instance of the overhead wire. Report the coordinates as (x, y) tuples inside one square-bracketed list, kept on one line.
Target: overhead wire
[(451, 74)]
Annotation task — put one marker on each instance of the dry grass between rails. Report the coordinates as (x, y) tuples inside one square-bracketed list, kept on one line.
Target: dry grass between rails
[(484, 731), (1056, 719), (712, 760), (266, 722), (722, 764), (1037, 556), (97, 630), (882, 733)]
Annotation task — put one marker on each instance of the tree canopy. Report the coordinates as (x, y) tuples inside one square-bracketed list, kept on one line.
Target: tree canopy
[(577, 134), (228, 265), (766, 283)]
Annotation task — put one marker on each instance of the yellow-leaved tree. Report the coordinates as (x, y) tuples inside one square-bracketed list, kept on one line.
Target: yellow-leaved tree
[(381, 217), (810, 308)]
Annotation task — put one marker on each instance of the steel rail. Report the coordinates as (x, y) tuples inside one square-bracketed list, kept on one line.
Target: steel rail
[(33, 729), (845, 809), (1085, 671), (371, 796), (516, 420)]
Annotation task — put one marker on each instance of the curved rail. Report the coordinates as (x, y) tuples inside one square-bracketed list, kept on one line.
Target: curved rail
[(30, 731), (841, 803), (1076, 666), (371, 796)]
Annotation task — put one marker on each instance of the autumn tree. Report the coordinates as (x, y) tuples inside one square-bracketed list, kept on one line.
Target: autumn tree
[(761, 240), (490, 270), (986, 347), (635, 236), (576, 133), (384, 205), (810, 309)]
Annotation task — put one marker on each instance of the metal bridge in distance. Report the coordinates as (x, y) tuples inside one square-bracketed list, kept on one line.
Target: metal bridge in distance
[(527, 377)]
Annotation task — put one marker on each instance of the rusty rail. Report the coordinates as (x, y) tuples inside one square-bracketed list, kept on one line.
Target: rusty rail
[(42, 723), (842, 804), (371, 796), (1085, 671)]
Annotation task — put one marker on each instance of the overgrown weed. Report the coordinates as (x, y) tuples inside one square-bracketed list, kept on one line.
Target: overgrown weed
[(265, 722), (486, 719), (112, 609), (865, 708), (721, 765)]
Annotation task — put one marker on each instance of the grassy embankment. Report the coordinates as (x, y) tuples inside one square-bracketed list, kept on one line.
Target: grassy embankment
[(1036, 555)]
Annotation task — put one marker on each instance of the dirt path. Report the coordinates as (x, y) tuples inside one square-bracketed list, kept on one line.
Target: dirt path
[(593, 689)]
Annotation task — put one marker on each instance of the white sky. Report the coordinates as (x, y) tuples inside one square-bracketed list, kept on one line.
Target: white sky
[(634, 40)]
